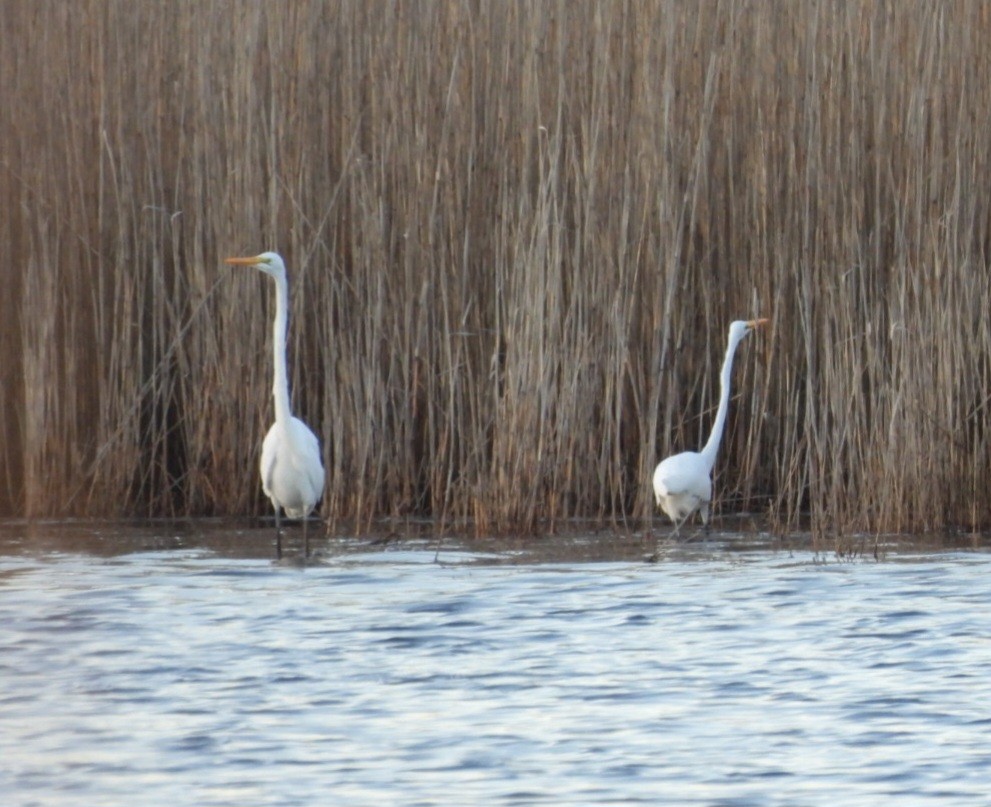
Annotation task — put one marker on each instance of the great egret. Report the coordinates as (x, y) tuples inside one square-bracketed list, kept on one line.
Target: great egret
[(291, 470), (683, 483)]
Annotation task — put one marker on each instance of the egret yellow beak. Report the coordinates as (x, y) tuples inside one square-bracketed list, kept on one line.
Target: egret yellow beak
[(245, 261), (757, 323)]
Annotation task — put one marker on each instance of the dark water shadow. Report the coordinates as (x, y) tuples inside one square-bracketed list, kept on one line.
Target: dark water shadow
[(573, 542)]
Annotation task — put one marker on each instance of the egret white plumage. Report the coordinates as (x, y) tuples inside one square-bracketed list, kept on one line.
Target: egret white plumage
[(291, 469), (683, 483)]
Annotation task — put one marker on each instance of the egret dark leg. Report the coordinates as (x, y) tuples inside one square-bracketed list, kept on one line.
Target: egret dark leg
[(306, 538), (278, 535), (706, 529), (656, 554)]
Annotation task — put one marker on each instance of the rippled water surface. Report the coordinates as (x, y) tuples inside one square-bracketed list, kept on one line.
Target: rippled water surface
[(157, 669)]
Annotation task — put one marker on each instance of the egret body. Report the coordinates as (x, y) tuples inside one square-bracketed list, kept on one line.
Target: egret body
[(683, 483), (291, 469)]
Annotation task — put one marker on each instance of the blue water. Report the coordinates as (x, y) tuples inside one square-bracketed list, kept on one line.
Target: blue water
[(193, 676)]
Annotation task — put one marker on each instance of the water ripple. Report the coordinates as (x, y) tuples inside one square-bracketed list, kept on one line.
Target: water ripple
[(187, 677)]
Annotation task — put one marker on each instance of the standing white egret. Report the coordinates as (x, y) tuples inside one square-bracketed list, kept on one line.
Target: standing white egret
[(291, 470), (683, 483)]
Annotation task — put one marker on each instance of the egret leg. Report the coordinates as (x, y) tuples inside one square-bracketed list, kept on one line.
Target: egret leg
[(705, 530), (656, 554), (706, 520), (278, 535), (306, 538)]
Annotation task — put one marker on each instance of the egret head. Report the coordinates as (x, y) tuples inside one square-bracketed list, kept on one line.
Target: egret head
[(740, 328), (269, 262)]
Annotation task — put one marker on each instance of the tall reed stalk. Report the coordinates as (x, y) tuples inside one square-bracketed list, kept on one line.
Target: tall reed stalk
[(516, 233)]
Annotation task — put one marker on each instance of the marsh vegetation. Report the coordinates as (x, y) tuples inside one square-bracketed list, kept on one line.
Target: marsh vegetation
[(516, 234)]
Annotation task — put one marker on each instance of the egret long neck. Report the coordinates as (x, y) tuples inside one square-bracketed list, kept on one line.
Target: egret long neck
[(280, 387), (712, 445)]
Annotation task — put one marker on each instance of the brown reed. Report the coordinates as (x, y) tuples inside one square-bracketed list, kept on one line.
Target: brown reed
[(516, 234)]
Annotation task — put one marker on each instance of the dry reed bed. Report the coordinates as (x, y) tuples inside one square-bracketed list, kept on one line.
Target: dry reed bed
[(516, 235)]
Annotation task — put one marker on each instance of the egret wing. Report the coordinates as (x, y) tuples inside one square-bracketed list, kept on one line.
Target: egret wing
[(307, 462), (686, 484), (684, 474)]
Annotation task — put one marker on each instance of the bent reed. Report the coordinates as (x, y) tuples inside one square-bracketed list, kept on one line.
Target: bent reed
[(517, 233)]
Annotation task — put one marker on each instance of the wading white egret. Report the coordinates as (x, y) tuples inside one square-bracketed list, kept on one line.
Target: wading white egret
[(683, 483), (291, 470)]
